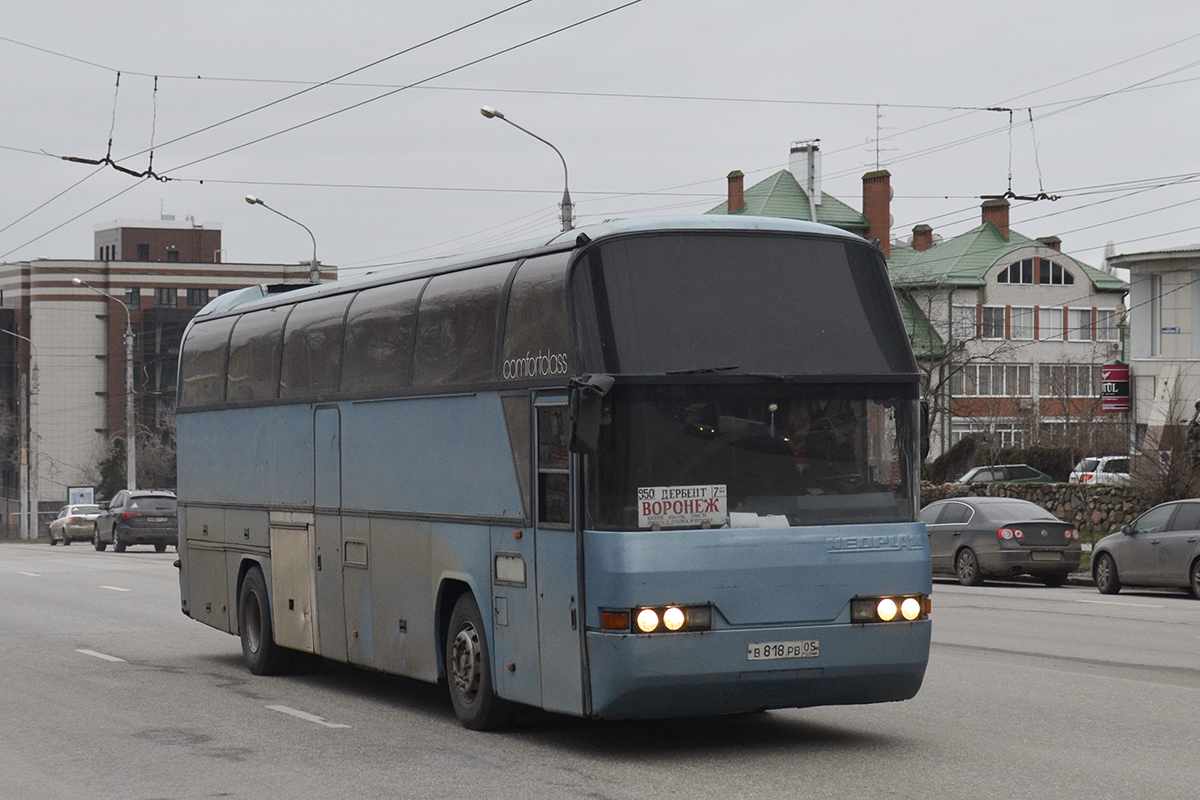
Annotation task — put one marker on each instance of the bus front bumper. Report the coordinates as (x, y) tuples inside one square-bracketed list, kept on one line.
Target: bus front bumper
[(638, 676)]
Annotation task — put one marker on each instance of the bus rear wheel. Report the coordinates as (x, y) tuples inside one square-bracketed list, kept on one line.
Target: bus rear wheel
[(469, 669), (259, 651)]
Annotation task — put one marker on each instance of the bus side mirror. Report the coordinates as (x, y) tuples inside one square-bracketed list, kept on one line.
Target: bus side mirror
[(587, 394)]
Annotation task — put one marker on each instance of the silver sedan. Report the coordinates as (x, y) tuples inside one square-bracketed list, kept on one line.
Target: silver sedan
[(1160, 548), (74, 524)]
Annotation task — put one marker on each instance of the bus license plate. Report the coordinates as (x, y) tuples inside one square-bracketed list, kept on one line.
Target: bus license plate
[(770, 651)]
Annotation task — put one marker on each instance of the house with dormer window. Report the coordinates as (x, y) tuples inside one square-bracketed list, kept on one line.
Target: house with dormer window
[(1010, 332)]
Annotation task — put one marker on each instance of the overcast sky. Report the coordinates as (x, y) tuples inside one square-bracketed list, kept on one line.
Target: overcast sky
[(651, 105)]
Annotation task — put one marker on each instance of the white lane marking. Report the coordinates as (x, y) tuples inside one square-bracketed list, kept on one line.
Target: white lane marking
[(116, 589), (304, 715), (31, 574), (1115, 603), (102, 656)]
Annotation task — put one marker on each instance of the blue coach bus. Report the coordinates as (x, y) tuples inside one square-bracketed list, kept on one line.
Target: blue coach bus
[(648, 468)]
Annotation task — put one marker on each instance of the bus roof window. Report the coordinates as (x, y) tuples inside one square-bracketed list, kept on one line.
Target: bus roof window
[(379, 334), (536, 337), (254, 351), (456, 327), (202, 380), (312, 347)]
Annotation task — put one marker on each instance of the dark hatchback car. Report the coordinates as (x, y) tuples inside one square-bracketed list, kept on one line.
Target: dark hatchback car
[(138, 517), (1005, 473), (1159, 548), (973, 538)]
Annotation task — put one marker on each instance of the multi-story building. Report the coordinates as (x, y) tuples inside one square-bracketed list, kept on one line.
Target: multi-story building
[(1164, 334), (156, 276), (1010, 332)]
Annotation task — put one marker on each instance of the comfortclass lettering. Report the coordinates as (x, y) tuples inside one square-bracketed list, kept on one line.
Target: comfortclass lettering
[(532, 366)]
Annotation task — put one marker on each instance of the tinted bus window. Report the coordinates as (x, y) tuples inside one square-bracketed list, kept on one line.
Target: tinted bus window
[(677, 303), (254, 351), (312, 347), (379, 332), (203, 378), (536, 340), (456, 327)]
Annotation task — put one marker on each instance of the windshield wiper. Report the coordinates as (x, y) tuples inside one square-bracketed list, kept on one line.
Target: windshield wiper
[(701, 370)]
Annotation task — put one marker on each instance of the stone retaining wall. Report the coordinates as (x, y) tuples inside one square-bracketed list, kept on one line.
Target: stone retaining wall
[(1096, 511)]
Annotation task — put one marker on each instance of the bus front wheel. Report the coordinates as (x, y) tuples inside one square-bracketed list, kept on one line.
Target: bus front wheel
[(261, 654), (469, 669)]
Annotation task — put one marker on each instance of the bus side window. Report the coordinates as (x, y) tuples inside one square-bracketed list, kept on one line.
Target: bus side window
[(379, 333), (203, 370), (254, 352), (456, 327), (554, 466), (312, 347)]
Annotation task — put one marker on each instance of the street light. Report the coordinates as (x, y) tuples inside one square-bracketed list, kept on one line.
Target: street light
[(31, 501), (314, 272), (130, 433), (567, 206)]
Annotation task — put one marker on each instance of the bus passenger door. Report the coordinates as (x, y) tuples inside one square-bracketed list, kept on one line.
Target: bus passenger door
[(560, 616), (327, 503)]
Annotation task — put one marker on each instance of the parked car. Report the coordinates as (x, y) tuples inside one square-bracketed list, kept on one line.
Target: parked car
[(73, 524), (973, 538), (1005, 473), (1102, 470), (1159, 548), (137, 517)]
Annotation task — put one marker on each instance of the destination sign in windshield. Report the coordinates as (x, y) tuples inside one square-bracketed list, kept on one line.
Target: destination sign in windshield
[(682, 506)]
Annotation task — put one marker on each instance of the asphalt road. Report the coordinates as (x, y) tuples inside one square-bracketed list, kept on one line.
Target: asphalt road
[(109, 692)]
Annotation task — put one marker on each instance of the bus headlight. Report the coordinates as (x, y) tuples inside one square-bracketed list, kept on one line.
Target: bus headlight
[(657, 619), (647, 620), (902, 608)]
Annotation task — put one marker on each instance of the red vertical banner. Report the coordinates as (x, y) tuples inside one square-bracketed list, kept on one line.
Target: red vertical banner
[(1114, 387)]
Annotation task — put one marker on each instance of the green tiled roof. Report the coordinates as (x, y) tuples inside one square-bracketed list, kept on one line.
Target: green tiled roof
[(964, 261), (927, 343), (782, 196)]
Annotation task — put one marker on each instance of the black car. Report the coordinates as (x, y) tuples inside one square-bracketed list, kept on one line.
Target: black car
[(974, 538), (1160, 548), (137, 517)]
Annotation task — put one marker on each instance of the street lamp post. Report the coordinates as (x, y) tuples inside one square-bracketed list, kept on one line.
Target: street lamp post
[(567, 206), (314, 272), (31, 500), (130, 432)]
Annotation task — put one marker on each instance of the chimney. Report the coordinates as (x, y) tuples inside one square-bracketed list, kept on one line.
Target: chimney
[(877, 208), (922, 238), (996, 212), (804, 162), (737, 200), (1052, 242)]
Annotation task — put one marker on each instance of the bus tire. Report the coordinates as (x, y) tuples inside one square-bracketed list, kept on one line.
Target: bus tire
[(469, 669), (259, 651)]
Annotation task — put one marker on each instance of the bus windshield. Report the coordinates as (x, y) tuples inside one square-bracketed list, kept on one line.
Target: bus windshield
[(753, 455)]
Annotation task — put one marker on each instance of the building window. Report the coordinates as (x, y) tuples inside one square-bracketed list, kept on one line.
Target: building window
[(1106, 325), (1156, 315), (1036, 271), (991, 380), (164, 297), (1050, 323), (962, 323), (143, 251), (1021, 322), (173, 256), (133, 298), (1079, 324), (993, 322), (1069, 380), (1006, 434), (197, 298)]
